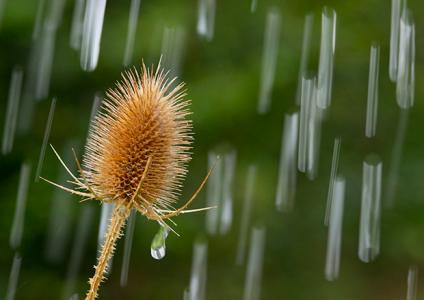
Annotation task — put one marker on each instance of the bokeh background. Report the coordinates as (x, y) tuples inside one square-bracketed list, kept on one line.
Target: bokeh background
[(223, 78)]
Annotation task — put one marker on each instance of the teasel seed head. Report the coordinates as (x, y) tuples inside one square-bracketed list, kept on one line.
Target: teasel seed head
[(143, 118)]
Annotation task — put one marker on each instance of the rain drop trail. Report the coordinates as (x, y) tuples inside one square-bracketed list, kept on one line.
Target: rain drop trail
[(198, 271), (269, 59), (306, 49), (60, 212), (105, 216), (220, 192), (372, 101), (19, 216), (412, 283), (253, 5), (405, 81), (369, 230), (396, 158), (12, 110), (252, 286), (394, 39), (186, 295), (326, 57), (2, 5), (158, 246), (173, 43), (309, 129), (91, 33), (45, 139), (44, 46), (206, 19), (132, 28), (333, 174), (77, 252), (246, 212), (37, 79), (77, 24), (334, 241), (213, 192), (286, 187), (314, 136), (307, 96), (129, 234), (227, 191), (14, 277), (74, 297)]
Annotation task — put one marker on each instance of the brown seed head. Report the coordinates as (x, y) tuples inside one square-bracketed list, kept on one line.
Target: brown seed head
[(143, 117)]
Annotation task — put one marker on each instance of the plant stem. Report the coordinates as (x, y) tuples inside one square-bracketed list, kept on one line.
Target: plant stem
[(120, 214)]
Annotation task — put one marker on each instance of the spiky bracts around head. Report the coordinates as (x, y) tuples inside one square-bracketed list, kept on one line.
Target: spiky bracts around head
[(142, 119)]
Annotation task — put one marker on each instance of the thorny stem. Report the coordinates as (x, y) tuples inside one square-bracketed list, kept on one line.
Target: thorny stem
[(120, 215)]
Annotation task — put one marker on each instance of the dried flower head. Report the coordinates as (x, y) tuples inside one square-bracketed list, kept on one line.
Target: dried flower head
[(142, 119), (136, 156)]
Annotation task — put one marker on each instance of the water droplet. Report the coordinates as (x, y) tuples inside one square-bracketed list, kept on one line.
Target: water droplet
[(158, 246)]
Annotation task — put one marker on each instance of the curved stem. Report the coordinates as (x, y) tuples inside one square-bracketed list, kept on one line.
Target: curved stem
[(120, 214)]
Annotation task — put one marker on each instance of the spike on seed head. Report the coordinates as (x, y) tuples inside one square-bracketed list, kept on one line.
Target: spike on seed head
[(142, 118)]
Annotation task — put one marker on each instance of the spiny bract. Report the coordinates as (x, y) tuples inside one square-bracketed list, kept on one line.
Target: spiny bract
[(143, 117)]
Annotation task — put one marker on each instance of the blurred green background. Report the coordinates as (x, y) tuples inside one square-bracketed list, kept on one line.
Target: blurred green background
[(222, 78)]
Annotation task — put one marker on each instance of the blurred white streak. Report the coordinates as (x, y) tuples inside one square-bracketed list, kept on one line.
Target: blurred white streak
[(227, 191), (307, 95), (220, 192), (326, 57), (309, 129), (105, 216), (60, 212), (77, 25), (286, 186), (269, 59), (396, 158), (77, 252), (252, 285), (45, 140), (44, 63), (98, 97), (405, 82), (38, 19), (14, 277), (332, 263), (246, 212), (132, 28), (19, 216), (412, 283), (253, 5), (37, 79), (129, 234), (173, 42), (394, 39), (333, 174), (12, 110), (314, 137), (306, 49), (44, 48), (372, 100), (91, 33), (198, 271), (74, 297), (2, 6), (213, 192), (206, 19), (186, 295), (369, 230)]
